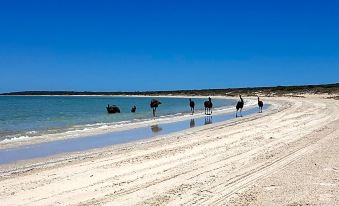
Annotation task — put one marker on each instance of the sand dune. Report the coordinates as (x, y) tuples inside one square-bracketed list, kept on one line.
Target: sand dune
[(286, 156)]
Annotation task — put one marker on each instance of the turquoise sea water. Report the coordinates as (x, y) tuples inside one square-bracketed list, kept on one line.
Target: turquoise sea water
[(26, 116)]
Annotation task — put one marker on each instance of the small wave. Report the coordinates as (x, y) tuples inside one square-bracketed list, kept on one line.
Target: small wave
[(32, 132), (18, 138)]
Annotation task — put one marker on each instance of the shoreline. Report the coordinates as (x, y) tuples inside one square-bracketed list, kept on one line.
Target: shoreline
[(106, 128), (276, 106), (72, 145), (228, 163)]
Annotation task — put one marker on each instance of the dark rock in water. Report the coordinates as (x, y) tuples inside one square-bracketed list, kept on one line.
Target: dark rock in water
[(113, 109)]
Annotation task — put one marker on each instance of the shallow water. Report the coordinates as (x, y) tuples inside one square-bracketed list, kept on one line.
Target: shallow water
[(104, 140), (28, 116)]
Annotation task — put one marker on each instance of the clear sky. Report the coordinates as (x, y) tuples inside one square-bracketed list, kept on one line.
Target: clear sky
[(163, 45)]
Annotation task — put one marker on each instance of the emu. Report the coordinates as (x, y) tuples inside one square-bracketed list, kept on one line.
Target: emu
[(192, 104), (154, 105), (208, 106), (239, 106), (112, 109), (260, 104)]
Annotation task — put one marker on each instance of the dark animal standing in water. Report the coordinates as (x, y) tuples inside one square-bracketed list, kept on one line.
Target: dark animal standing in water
[(240, 105), (208, 106), (192, 104), (112, 109), (260, 104), (154, 105), (134, 108)]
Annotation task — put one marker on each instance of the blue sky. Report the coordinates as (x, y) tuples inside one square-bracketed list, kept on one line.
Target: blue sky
[(164, 45)]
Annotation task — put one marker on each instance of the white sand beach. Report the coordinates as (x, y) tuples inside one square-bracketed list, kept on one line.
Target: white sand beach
[(288, 155)]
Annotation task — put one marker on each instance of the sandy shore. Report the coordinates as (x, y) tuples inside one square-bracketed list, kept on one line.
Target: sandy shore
[(250, 102), (286, 156)]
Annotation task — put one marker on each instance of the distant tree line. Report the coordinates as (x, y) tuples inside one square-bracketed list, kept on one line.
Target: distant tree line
[(253, 91)]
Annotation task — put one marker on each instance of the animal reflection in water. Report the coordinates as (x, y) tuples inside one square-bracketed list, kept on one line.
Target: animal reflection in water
[(208, 120), (192, 123), (156, 128)]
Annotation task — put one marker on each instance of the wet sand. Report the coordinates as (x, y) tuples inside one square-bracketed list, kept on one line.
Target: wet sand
[(50, 148), (285, 156)]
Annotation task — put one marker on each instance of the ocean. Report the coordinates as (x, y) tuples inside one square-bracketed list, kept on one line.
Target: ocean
[(29, 116)]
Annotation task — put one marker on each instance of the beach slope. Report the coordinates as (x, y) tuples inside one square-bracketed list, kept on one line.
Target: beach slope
[(286, 156)]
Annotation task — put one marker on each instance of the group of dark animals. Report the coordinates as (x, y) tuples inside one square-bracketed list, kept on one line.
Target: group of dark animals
[(240, 105), (207, 104), (115, 109)]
